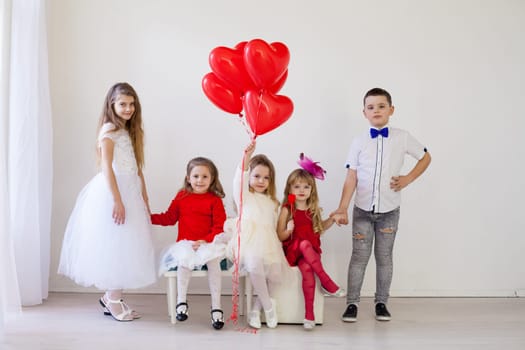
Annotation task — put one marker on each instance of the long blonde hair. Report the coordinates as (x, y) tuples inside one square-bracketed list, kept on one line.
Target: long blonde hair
[(133, 125), (261, 159), (312, 202)]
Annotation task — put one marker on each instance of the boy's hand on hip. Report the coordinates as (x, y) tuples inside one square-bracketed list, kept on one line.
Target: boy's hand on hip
[(397, 183)]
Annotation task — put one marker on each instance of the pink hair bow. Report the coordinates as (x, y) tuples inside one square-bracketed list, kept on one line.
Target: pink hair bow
[(312, 167)]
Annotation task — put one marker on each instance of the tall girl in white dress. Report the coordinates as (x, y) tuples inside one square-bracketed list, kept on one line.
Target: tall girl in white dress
[(260, 253), (108, 237)]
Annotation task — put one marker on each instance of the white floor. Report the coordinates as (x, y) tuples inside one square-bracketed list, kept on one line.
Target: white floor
[(75, 321)]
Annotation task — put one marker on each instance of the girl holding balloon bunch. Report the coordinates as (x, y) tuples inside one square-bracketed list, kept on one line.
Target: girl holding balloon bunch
[(260, 252), (248, 77), (300, 226)]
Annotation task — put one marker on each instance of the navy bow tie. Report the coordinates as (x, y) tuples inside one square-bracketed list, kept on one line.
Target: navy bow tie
[(374, 132)]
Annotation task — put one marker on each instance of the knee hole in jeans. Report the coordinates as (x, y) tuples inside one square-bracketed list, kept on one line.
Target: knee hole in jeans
[(359, 236), (387, 230)]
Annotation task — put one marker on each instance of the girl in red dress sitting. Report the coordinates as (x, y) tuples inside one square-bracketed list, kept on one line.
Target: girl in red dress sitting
[(199, 210), (299, 227)]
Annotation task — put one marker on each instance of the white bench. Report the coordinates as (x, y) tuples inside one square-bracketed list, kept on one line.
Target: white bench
[(245, 288), (289, 296), (290, 299)]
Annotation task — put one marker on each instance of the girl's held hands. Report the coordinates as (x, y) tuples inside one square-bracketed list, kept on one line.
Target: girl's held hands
[(119, 213), (340, 217)]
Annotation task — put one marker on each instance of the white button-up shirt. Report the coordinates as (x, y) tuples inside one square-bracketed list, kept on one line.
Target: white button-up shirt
[(376, 162)]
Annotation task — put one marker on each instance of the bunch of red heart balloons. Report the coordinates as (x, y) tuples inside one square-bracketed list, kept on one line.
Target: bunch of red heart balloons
[(248, 77)]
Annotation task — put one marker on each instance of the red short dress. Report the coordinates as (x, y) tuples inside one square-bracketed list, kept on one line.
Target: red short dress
[(303, 230)]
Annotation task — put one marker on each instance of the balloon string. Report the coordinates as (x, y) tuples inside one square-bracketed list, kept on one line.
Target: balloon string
[(258, 110), (247, 129), (235, 275), (234, 318)]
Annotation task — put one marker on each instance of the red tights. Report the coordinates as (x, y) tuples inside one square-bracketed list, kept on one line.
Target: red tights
[(309, 264)]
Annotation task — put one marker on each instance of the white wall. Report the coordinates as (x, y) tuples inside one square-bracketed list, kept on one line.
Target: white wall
[(455, 70)]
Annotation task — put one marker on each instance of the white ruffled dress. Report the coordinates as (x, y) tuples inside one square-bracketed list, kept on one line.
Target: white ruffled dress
[(260, 251), (98, 252), (182, 254)]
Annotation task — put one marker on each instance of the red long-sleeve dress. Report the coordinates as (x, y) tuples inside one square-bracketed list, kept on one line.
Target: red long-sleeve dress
[(200, 216)]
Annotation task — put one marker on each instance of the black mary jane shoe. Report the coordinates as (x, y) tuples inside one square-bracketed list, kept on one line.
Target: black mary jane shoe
[(217, 323), (182, 315)]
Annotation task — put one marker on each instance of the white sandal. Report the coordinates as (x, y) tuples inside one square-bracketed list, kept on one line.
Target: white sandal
[(126, 310), (136, 315)]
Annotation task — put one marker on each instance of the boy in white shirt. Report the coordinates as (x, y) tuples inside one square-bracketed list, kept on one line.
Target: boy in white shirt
[(374, 164)]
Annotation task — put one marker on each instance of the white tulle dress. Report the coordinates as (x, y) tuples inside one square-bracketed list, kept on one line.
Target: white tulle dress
[(98, 252), (261, 252)]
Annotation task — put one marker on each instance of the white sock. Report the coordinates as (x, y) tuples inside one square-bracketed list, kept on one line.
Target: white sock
[(183, 281), (215, 281), (261, 288)]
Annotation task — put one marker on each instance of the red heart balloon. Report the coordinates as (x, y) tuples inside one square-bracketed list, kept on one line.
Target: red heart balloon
[(279, 84), (265, 63), (221, 94), (266, 111), (241, 45), (228, 64)]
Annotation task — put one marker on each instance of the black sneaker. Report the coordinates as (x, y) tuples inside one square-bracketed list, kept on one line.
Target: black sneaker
[(350, 314), (382, 313)]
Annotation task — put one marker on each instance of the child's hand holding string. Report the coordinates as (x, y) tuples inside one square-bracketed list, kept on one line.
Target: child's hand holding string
[(248, 151), (290, 226)]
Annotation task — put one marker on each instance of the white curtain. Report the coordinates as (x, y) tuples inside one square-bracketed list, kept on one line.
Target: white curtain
[(9, 295), (26, 154)]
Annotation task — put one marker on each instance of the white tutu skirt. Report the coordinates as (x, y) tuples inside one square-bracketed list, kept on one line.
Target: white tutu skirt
[(182, 254), (260, 250), (98, 252)]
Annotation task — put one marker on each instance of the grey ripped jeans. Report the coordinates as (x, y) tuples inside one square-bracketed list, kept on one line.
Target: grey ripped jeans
[(367, 227)]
